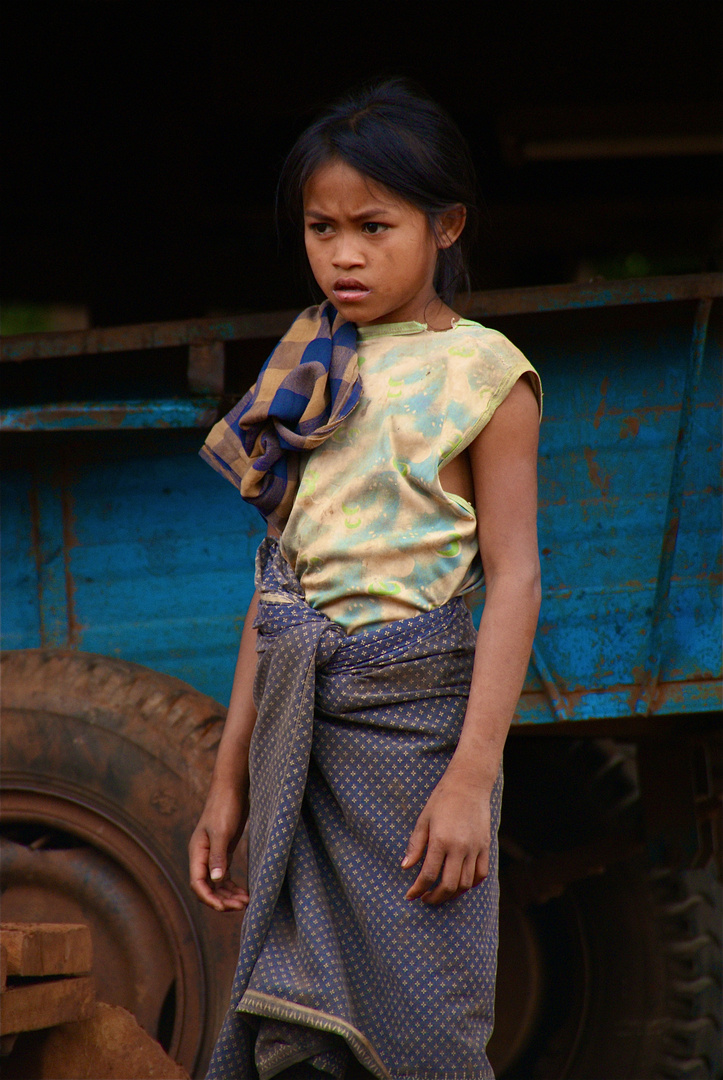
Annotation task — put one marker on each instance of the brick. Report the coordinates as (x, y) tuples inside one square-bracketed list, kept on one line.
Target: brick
[(39, 949), (43, 1004)]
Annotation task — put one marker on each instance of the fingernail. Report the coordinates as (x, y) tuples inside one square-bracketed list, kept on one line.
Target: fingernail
[(405, 862), (216, 873)]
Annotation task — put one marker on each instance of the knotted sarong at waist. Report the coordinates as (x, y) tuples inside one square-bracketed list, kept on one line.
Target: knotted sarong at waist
[(353, 733)]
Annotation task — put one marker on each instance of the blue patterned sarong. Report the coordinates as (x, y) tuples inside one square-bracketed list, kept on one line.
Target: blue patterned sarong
[(353, 733)]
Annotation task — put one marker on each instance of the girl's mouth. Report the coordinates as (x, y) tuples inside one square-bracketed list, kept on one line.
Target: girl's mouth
[(349, 290)]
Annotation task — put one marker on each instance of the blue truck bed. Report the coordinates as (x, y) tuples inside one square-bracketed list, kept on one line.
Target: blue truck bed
[(118, 540)]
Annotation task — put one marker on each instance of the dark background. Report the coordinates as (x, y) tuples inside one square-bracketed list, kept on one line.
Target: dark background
[(142, 141)]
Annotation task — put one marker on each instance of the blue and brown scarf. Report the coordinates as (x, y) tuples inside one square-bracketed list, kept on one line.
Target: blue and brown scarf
[(308, 385)]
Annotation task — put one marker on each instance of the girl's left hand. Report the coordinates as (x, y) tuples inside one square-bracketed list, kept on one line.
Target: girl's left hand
[(454, 827)]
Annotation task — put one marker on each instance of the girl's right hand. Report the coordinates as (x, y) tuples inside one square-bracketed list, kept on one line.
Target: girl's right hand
[(211, 848)]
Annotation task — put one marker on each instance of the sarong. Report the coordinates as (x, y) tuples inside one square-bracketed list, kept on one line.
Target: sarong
[(353, 733)]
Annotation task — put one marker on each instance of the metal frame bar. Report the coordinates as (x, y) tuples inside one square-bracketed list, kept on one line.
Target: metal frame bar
[(653, 662), (258, 326), (556, 699)]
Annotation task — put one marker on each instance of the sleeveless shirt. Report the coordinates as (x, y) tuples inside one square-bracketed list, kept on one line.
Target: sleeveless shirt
[(372, 535)]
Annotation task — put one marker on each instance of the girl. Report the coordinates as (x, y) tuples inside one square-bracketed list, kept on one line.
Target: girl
[(391, 446)]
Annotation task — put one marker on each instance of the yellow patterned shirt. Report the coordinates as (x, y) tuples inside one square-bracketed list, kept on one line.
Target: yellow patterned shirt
[(372, 535)]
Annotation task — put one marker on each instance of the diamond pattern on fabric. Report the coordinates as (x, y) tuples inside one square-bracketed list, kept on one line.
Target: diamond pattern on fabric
[(335, 965)]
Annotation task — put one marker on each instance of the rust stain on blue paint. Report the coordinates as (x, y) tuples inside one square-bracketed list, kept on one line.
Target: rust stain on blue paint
[(630, 426), (69, 542), (602, 407), (597, 477)]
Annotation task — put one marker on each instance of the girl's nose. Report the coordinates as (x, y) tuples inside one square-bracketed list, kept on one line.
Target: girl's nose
[(347, 254)]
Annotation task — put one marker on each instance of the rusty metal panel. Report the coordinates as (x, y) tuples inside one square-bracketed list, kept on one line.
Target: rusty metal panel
[(141, 553), (23, 619), (121, 542), (608, 459)]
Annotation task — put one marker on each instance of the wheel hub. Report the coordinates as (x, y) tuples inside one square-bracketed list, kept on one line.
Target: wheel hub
[(65, 860)]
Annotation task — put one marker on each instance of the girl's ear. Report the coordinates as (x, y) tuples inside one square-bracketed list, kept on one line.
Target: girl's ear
[(449, 225)]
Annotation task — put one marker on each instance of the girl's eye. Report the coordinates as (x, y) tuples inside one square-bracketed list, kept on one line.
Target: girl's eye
[(320, 228), (373, 228)]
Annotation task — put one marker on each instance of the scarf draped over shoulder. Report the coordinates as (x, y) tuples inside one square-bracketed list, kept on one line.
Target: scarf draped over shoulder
[(307, 387)]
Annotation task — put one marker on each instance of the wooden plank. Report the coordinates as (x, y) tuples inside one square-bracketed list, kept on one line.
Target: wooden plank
[(44, 1004), (38, 949)]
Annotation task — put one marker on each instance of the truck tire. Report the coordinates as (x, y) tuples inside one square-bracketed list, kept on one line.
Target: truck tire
[(104, 770), (616, 973), (690, 915)]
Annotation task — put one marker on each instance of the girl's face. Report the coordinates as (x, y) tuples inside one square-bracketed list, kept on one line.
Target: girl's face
[(372, 253)]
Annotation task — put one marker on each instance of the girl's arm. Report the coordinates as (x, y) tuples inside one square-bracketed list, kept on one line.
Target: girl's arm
[(224, 815), (226, 809), (454, 826)]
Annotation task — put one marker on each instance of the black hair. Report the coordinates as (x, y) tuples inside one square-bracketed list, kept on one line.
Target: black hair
[(397, 136)]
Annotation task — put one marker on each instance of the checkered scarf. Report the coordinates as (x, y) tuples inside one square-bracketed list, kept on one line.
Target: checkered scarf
[(308, 385)]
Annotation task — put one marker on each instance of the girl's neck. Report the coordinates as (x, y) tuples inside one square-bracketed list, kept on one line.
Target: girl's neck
[(436, 316), (439, 316)]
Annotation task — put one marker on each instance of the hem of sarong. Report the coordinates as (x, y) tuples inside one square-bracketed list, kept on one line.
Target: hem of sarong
[(445, 1075), (259, 1004)]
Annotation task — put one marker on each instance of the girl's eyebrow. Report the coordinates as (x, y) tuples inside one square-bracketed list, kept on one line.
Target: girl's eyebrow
[(372, 211)]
